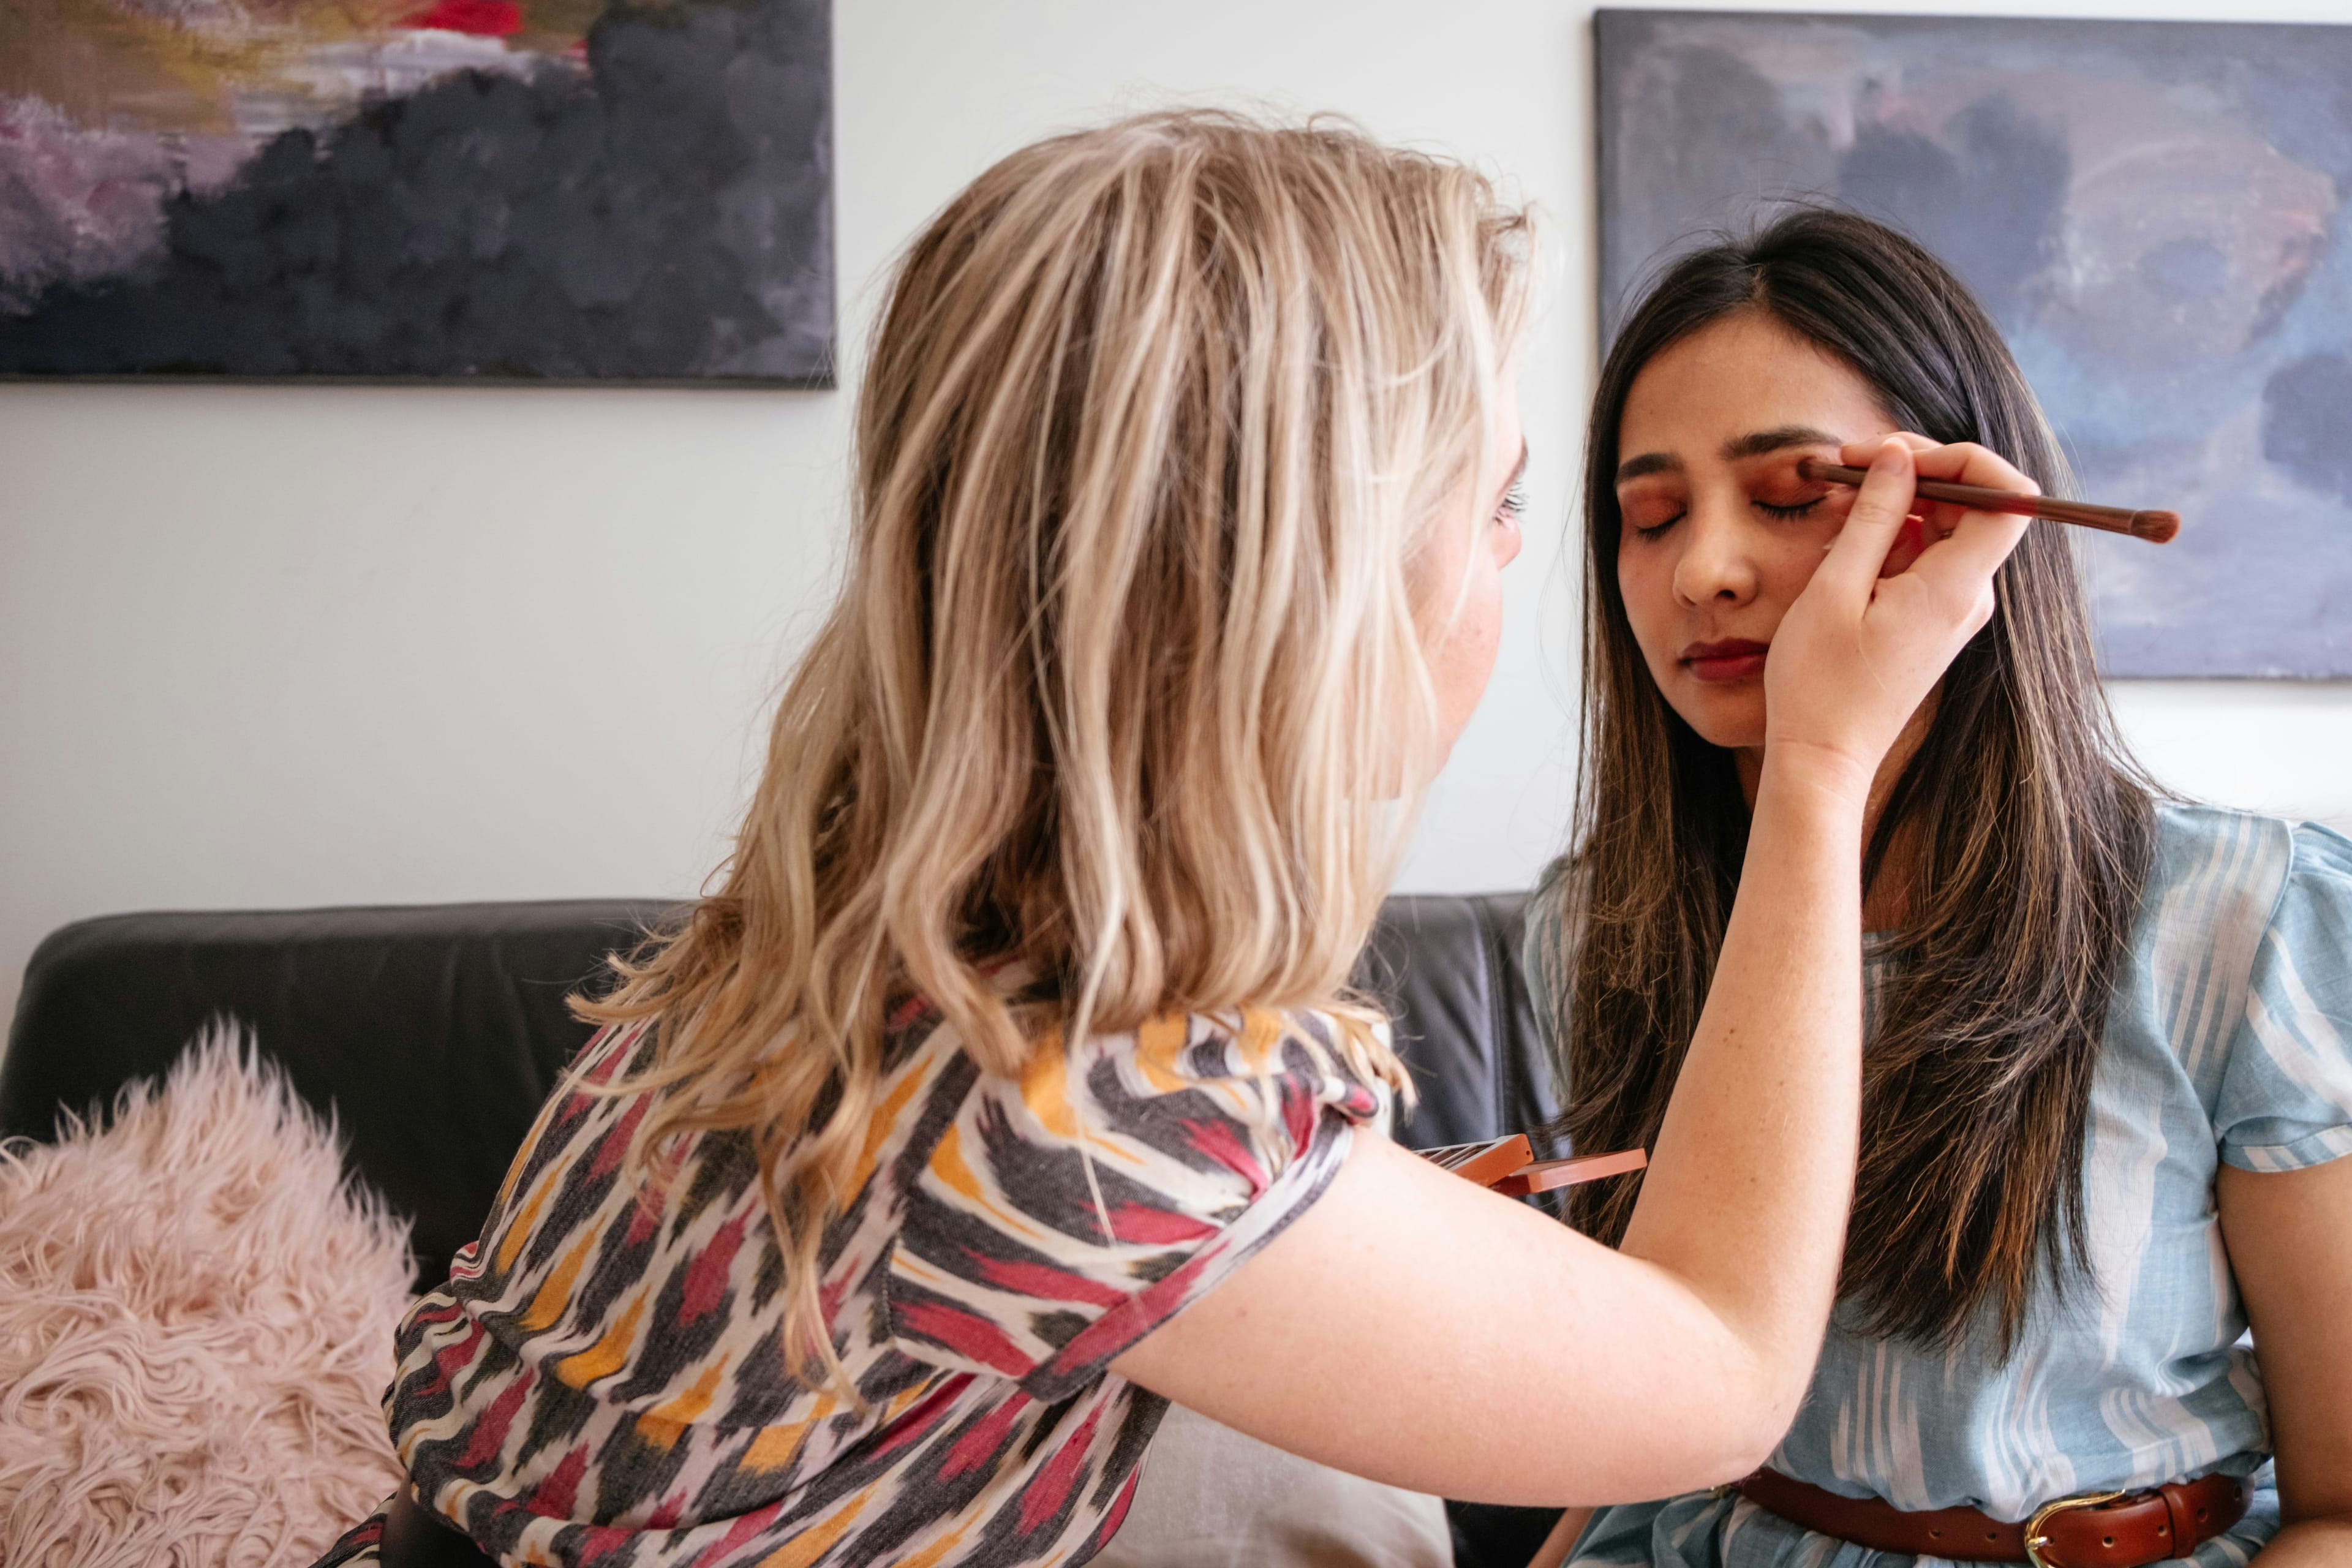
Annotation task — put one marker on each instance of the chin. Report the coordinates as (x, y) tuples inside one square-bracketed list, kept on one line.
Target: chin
[(1732, 720)]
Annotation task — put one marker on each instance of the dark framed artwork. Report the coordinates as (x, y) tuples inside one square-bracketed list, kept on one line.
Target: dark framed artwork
[(530, 190), (2158, 214)]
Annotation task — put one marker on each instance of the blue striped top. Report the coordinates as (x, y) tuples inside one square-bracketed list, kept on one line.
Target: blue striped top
[(2226, 1042)]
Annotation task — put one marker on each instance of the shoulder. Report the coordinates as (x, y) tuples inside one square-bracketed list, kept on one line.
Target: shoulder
[(2307, 943), (2319, 883), (1266, 1075), (2215, 864), (1268, 1071), (2234, 877), (2282, 1083), (2213, 886), (1251, 1061), (2246, 920), (1061, 1212)]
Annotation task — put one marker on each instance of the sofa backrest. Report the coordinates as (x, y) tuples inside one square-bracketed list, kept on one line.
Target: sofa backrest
[(434, 1033)]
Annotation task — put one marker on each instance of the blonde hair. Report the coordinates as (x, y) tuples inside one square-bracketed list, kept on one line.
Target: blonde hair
[(1127, 656)]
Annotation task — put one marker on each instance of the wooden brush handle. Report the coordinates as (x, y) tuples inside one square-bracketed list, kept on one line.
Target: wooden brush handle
[(2155, 526)]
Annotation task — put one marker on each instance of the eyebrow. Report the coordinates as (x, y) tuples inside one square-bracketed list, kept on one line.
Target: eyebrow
[(1779, 437), (1755, 444)]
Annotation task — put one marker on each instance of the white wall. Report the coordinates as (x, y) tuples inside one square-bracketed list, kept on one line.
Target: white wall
[(270, 646)]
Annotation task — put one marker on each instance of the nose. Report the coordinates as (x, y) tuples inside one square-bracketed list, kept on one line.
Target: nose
[(1715, 566)]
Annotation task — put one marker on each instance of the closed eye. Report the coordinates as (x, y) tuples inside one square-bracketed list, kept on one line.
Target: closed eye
[(1788, 513)]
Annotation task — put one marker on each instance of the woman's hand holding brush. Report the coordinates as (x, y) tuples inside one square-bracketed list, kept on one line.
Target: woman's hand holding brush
[(2155, 526)]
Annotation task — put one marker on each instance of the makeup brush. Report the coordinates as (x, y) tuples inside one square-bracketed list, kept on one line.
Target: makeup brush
[(2155, 526)]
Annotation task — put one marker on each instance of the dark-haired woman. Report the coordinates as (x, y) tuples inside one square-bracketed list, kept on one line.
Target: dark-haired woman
[(2107, 1090)]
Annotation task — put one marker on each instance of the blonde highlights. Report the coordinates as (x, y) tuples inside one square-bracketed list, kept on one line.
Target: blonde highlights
[(1155, 420)]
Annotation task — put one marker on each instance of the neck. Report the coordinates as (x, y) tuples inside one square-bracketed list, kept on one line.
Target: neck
[(1886, 901)]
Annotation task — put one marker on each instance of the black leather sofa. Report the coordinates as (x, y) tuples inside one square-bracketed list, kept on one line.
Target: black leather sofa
[(433, 1033)]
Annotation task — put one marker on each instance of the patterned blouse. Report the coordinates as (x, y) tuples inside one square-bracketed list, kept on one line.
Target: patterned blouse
[(600, 1380), (2226, 1043)]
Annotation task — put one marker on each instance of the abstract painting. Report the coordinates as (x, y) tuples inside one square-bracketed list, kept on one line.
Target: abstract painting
[(571, 190), (2159, 217)]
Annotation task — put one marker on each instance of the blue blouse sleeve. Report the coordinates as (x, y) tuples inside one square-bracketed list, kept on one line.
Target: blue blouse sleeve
[(2286, 1094)]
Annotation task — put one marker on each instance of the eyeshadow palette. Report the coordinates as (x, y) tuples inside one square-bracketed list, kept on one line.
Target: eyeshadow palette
[(1507, 1165)]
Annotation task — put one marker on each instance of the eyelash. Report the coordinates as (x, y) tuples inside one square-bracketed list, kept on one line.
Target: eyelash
[(1514, 504), (1785, 513)]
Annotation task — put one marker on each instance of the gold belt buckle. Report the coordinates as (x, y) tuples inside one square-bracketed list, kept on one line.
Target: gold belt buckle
[(2035, 1541)]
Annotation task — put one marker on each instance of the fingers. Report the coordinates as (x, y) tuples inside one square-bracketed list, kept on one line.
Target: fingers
[(1855, 653), (1859, 453), (1975, 548), (1958, 462), (1911, 540), (1964, 462), (1955, 553), (1873, 524)]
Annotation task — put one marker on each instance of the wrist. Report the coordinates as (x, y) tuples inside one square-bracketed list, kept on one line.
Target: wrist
[(1824, 777)]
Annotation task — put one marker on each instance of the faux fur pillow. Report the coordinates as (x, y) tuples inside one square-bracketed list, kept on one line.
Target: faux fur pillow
[(195, 1329)]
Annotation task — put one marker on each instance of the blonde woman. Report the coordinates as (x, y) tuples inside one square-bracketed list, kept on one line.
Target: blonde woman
[(1006, 1088)]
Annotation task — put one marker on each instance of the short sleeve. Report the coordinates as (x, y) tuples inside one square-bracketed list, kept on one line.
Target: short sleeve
[(1062, 1216), (2286, 1100)]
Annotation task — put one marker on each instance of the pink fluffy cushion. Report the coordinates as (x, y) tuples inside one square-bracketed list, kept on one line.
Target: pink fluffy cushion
[(195, 1329)]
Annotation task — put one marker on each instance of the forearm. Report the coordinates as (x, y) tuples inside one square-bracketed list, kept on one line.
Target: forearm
[(1562, 1538), (2289, 1234), (1749, 1186), (2310, 1544)]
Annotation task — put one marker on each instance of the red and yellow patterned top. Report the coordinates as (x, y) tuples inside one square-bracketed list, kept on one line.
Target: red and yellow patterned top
[(601, 1379)]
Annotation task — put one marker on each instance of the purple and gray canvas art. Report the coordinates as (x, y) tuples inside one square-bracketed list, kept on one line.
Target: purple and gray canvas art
[(2159, 217), (631, 190)]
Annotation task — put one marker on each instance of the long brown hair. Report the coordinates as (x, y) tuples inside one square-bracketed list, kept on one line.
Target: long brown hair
[(1126, 685), (2025, 835)]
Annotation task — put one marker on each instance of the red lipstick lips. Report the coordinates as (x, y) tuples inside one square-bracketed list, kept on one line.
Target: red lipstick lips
[(1735, 658)]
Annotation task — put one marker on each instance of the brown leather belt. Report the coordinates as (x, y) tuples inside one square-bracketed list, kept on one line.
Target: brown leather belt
[(2094, 1529)]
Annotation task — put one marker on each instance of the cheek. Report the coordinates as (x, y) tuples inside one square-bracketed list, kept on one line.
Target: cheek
[(1645, 582), (1460, 645), (1472, 642), (1784, 570)]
